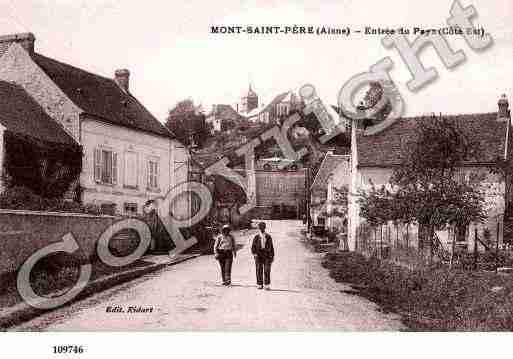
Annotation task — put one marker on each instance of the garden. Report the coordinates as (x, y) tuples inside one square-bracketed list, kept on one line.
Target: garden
[(432, 298)]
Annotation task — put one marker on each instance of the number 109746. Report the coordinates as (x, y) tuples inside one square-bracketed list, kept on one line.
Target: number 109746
[(68, 349)]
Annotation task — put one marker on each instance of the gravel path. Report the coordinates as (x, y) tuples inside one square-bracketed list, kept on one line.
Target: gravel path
[(188, 297)]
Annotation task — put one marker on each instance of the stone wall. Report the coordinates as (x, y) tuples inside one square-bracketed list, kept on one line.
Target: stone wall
[(22, 233), (280, 187)]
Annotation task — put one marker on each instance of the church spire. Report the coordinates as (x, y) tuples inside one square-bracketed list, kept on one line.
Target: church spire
[(251, 93), (249, 100)]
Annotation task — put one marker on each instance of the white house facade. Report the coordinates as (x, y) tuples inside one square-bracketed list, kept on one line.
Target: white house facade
[(129, 157), (374, 157), (333, 174)]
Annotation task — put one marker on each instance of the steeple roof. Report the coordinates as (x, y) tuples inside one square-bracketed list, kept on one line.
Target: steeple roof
[(251, 93)]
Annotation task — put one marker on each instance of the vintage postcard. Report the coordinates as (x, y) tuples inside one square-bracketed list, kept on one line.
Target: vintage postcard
[(341, 166)]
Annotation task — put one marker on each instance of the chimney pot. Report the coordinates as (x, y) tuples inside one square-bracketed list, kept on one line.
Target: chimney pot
[(122, 78)]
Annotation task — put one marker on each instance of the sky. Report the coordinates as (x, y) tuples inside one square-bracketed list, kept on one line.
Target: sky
[(171, 54)]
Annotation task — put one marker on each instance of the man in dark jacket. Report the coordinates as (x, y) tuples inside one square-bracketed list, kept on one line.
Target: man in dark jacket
[(263, 250)]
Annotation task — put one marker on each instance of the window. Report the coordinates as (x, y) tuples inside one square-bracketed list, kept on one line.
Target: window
[(153, 174), (461, 233), (105, 166), (108, 208), (131, 209), (282, 109), (131, 169)]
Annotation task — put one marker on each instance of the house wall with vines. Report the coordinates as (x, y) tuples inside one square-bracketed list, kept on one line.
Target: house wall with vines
[(491, 184)]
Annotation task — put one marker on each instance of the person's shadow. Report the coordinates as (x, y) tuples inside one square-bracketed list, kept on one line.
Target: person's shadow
[(271, 290)]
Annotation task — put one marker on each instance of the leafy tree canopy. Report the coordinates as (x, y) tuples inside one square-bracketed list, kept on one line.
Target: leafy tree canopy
[(430, 187)]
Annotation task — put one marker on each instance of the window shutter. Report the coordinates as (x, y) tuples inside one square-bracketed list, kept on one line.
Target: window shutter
[(114, 168), (156, 174), (148, 169), (97, 164)]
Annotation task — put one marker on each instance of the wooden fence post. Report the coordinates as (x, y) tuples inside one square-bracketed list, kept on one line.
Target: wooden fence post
[(407, 237), (431, 244), (381, 241), (453, 248), (497, 246), (475, 248)]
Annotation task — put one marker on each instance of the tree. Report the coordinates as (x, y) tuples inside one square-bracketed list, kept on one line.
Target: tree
[(430, 187), (50, 170), (371, 98), (188, 123)]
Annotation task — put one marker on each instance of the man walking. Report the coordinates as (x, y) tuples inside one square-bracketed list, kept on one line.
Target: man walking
[(224, 252), (263, 251)]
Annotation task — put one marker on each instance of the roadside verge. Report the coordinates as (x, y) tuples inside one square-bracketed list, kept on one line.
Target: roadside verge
[(21, 312)]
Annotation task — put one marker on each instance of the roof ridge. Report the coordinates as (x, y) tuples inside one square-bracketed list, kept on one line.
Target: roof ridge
[(105, 97), (448, 115), (385, 147), (75, 67), (144, 107)]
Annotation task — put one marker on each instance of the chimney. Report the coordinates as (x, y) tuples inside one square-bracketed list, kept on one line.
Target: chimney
[(122, 78), (503, 113), (26, 40)]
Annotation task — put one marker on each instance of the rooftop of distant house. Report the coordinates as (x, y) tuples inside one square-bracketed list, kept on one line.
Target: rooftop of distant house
[(385, 148), (102, 98), (329, 164)]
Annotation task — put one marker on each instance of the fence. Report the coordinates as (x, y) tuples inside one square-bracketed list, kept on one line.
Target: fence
[(481, 246)]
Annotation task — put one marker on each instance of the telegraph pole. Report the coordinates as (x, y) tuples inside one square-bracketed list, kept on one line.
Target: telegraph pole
[(308, 197)]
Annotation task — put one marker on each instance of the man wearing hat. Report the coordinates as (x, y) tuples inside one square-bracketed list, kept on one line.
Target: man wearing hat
[(263, 250), (224, 252)]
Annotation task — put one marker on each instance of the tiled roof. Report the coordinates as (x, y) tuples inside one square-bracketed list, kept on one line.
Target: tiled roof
[(101, 97), (21, 114), (385, 148), (278, 99), (328, 165), (226, 112), (269, 107)]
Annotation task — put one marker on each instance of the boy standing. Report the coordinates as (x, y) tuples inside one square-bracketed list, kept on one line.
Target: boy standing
[(263, 251), (224, 252)]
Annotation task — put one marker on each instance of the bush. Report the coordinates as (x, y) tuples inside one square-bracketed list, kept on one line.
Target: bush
[(485, 260), (23, 198), (433, 298)]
